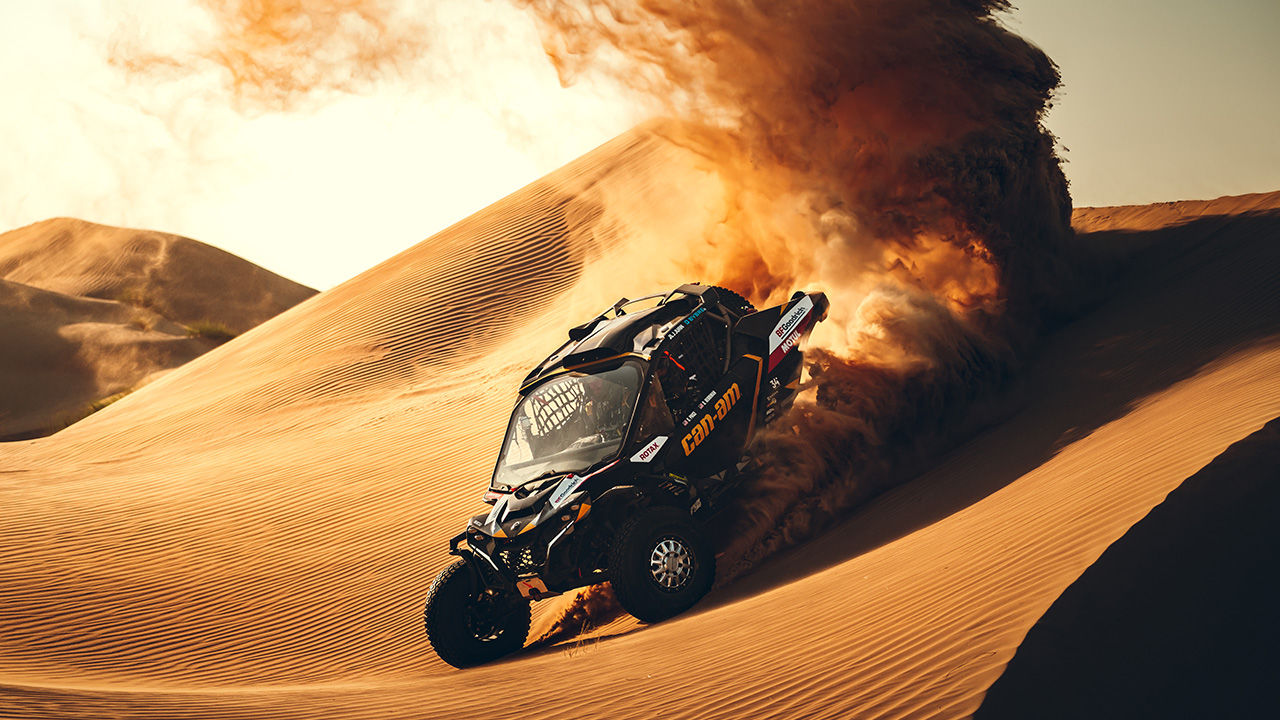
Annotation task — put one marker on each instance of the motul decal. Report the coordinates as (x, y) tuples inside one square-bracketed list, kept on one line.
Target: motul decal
[(787, 333), (648, 452)]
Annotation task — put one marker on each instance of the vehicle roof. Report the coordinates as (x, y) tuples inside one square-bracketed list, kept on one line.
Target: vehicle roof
[(634, 334)]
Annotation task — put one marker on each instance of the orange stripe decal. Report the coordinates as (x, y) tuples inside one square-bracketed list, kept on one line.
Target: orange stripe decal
[(755, 396)]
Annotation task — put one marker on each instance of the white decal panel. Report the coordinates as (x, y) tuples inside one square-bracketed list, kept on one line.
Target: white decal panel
[(533, 587), (566, 488), (648, 452), (786, 334), (499, 508)]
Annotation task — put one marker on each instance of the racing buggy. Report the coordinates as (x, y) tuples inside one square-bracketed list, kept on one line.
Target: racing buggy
[(621, 445)]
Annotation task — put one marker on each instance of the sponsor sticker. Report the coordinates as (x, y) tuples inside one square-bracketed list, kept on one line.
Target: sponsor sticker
[(786, 334), (650, 451), (676, 331), (565, 489), (792, 318), (704, 427), (499, 509)]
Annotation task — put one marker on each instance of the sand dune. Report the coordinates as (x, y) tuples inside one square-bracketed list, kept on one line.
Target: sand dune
[(184, 280), (89, 311), (65, 352), (253, 534)]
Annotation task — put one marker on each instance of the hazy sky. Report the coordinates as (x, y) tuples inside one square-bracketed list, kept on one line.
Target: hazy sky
[(1163, 100)]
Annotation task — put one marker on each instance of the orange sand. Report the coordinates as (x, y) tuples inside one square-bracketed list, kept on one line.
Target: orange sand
[(253, 534)]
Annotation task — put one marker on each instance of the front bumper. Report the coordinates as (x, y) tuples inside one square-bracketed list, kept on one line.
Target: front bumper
[(519, 563)]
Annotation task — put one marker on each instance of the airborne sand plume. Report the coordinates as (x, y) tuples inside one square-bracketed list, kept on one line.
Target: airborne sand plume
[(279, 55), (857, 139), (889, 153)]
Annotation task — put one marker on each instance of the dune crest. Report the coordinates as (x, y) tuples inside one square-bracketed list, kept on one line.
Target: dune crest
[(184, 280)]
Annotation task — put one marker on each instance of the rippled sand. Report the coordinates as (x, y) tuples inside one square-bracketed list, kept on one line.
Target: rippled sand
[(253, 534)]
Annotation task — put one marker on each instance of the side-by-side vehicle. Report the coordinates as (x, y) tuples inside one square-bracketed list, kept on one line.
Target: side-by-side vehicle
[(621, 442)]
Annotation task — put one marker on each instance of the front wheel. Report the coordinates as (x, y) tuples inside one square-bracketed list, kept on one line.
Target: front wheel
[(468, 625), (660, 565)]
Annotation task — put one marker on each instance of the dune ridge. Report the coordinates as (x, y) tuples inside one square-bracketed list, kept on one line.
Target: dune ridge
[(253, 534), (184, 280)]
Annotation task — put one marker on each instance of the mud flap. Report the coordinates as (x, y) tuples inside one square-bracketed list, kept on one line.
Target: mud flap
[(534, 589)]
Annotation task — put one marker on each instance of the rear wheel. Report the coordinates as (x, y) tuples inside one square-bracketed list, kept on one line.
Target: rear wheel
[(470, 626), (734, 301), (660, 564)]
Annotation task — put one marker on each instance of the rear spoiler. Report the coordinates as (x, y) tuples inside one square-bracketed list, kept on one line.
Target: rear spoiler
[(759, 324)]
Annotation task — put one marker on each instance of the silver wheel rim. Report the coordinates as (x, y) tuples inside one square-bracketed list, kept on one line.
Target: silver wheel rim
[(671, 563)]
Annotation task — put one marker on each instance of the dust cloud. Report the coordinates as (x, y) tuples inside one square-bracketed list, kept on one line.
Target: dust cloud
[(889, 153)]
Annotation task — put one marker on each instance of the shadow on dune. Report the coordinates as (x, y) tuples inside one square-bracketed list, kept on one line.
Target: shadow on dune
[(1184, 297), (1176, 619), (59, 366), (45, 382)]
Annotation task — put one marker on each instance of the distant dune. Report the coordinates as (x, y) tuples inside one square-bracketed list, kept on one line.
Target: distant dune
[(253, 534), (185, 280), (89, 311)]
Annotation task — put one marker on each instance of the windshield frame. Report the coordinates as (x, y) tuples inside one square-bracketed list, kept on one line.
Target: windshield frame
[(643, 367)]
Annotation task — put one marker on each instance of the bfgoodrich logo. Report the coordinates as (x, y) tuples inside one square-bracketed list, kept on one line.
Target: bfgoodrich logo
[(792, 318)]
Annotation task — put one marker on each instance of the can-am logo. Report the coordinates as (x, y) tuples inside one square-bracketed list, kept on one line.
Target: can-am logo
[(648, 452), (704, 427)]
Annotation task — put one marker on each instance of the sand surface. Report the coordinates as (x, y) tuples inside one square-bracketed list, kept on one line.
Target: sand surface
[(89, 311), (253, 534), (1183, 605)]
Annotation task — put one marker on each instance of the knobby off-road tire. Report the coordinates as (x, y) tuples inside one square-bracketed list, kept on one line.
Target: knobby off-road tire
[(733, 300), (466, 628), (660, 565)]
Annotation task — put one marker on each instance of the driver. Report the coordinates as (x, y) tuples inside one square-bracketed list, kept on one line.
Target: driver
[(601, 409)]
